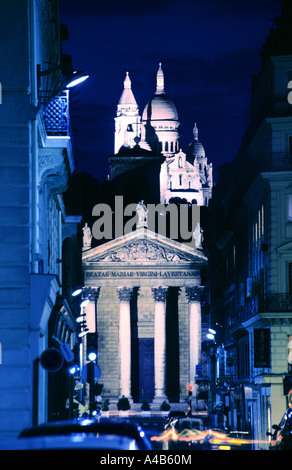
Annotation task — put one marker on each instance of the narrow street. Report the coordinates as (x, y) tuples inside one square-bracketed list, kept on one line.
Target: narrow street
[(190, 434)]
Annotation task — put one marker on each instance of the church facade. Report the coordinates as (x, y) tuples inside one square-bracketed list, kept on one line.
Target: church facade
[(144, 287), (144, 293)]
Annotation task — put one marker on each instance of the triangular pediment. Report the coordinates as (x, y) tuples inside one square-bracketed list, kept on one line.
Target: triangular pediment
[(143, 246), (285, 247)]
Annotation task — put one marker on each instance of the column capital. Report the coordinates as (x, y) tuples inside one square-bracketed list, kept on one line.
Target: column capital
[(125, 293), (91, 293), (194, 293), (160, 293)]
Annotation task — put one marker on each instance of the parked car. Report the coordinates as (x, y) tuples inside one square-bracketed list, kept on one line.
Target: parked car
[(218, 439), (282, 435), (176, 414), (187, 423), (82, 434)]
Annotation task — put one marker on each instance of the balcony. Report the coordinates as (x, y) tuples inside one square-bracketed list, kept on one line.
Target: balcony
[(55, 133), (276, 106), (275, 303), (56, 116), (264, 303), (279, 161)]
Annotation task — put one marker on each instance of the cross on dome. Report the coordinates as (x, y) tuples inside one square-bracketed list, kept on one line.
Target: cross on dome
[(127, 82)]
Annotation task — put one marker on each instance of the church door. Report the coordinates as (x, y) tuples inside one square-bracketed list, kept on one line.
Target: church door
[(146, 369)]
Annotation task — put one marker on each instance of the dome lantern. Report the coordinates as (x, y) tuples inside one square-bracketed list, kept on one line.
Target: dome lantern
[(160, 81)]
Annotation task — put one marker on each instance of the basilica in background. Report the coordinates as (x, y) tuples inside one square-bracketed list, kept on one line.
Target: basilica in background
[(183, 175)]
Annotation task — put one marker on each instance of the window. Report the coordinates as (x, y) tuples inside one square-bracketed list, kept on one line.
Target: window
[(180, 162), (180, 180), (166, 146)]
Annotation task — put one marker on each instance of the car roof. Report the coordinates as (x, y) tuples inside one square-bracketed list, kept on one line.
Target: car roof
[(74, 442), (87, 426)]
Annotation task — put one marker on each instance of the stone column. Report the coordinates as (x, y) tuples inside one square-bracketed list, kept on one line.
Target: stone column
[(194, 296), (91, 293), (160, 294), (125, 294)]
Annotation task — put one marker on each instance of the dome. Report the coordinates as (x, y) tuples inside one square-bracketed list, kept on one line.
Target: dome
[(195, 148), (160, 107)]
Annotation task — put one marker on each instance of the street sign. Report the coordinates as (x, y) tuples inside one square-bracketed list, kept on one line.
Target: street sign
[(86, 372), (67, 352), (51, 359)]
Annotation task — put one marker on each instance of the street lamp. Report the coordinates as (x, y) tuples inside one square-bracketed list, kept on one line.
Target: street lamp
[(83, 333), (73, 369), (84, 302), (61, 77), (76, 78), (77, 292), (91, 346), (211, 334)]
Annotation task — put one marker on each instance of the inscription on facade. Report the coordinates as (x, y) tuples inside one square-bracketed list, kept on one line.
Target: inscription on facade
[(140, 273)]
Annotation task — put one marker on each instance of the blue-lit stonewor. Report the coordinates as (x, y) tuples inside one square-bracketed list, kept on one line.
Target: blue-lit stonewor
[(38, 237)]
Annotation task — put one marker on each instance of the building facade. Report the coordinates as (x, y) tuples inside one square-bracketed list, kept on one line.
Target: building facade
[(250, 255), (36, 160)]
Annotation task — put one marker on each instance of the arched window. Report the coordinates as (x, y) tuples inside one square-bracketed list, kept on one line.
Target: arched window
[(166, 147), (171, 146), (180, 162), (180, 179)]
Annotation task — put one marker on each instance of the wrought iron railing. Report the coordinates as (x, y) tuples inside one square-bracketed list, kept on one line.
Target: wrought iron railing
[(277, 106), (56, 115), (261, 303), (275, 303), (276, 161)]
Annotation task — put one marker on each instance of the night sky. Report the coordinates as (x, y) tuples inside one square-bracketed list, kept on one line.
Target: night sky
[(209, 50)]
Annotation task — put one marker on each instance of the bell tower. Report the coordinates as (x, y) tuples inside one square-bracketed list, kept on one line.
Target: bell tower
[(127, 120)]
